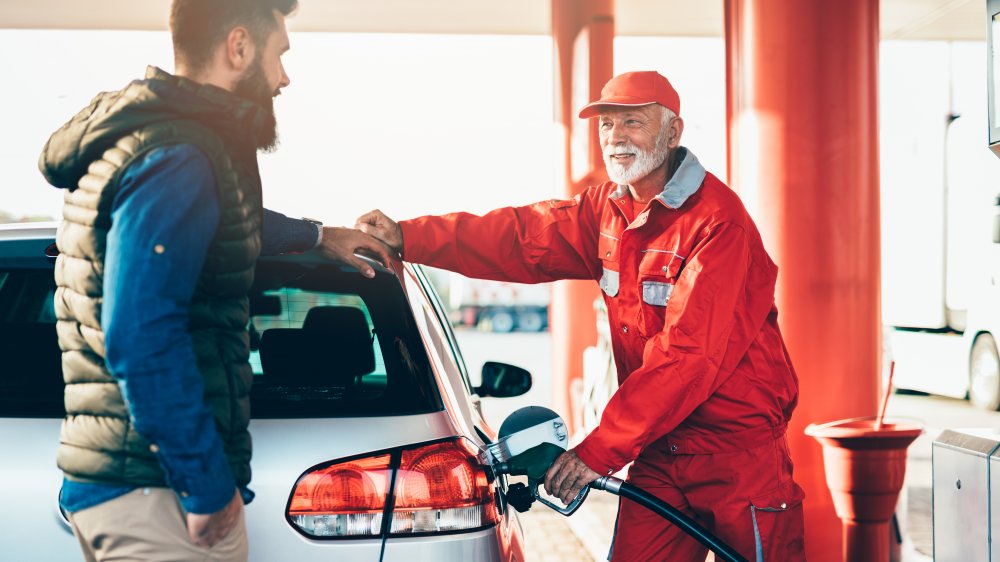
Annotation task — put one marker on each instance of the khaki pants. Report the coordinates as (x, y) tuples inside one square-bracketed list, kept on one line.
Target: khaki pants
[(148, 525)]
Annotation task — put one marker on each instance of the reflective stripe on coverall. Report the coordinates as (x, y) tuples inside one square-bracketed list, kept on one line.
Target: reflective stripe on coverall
[(705, 379)]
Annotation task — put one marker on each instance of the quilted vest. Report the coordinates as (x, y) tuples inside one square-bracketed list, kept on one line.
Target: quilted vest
[(98, 442)]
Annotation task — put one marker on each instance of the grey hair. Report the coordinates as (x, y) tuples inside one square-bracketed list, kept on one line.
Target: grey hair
[(667, 115)]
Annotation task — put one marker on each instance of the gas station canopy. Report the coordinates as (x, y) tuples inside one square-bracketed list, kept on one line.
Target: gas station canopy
[(900, 19)]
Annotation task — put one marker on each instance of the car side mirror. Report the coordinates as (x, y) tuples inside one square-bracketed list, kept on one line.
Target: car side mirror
[(503, 381)]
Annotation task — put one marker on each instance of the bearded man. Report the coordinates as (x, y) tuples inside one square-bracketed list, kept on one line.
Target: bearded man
[(162, 226), (706, 384)]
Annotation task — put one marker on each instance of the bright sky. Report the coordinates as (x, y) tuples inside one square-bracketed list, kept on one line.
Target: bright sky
[(417, 124), (412, 124)]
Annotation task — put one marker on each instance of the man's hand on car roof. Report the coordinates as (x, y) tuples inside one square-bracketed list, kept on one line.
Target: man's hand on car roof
[(341, 243), (379, 225)]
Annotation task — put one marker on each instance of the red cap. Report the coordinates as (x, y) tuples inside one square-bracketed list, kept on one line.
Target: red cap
[(634, 89)]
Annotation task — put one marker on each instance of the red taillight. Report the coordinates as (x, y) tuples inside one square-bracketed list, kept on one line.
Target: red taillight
[(342, 500), (442, 487), (439, 487)]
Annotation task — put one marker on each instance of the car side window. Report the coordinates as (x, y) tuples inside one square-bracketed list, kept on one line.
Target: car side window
[(31, 381)]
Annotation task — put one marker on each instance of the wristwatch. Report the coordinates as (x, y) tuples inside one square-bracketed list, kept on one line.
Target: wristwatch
[(319, 230)]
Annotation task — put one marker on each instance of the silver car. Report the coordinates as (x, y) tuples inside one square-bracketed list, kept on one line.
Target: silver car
[(367, 431)]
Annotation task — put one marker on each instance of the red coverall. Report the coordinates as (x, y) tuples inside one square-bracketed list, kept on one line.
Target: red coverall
[(706, 384)]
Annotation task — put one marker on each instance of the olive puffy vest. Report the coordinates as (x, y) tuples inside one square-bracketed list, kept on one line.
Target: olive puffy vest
[(98, 442)]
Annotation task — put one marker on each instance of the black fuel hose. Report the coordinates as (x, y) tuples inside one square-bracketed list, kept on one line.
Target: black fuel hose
[(723, 552)]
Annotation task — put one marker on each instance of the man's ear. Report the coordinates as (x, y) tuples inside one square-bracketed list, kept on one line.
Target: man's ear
[(239, 48), (676, 130)]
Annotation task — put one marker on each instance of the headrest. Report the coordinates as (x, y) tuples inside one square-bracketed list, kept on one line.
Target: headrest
[(340, 319), (333, 346)]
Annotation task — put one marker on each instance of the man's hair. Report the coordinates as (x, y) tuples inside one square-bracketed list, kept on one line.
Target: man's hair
[(665, 116), (199, 26)]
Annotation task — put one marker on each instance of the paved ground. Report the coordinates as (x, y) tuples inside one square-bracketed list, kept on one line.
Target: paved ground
[(586, 535), (549, 537)]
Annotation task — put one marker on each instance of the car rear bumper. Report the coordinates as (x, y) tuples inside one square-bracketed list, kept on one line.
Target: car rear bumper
[(479, 546)]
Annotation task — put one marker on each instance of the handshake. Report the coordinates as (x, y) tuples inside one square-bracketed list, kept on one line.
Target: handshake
[(374, 235)]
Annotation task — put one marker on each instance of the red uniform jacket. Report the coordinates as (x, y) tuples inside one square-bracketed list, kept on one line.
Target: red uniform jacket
[(702, 366)]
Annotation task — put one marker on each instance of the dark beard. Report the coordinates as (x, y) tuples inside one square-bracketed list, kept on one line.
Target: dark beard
[(253, 86)]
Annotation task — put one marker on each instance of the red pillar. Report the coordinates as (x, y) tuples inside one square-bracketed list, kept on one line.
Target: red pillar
[(583, 37), (803, 154)]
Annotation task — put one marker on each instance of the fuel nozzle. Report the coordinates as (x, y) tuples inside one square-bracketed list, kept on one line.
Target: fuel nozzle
[(530, 440), (533, 463)]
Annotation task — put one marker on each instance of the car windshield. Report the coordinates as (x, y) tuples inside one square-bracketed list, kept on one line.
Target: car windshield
[(325, 342)]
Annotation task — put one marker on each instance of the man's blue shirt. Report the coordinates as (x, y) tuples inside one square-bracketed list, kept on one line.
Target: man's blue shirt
[(164, 218)]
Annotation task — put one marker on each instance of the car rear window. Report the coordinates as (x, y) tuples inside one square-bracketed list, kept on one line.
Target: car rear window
[(325, 342)]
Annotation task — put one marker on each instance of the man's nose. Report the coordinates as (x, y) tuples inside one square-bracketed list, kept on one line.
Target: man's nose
[(616, 135), (285, 80)]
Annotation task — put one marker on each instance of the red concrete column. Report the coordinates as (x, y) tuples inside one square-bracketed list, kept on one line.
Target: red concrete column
[(803, 154), (583, 37)]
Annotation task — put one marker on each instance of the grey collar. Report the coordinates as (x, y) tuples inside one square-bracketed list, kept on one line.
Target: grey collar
[(683, 184)]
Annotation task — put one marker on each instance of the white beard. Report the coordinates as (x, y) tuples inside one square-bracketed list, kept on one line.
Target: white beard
[(645, 161)]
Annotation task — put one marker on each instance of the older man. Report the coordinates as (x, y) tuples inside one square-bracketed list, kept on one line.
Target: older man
[(706, 385)]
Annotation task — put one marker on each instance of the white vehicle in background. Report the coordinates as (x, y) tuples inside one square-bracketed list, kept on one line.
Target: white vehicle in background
[(498, 306), (941, 250)]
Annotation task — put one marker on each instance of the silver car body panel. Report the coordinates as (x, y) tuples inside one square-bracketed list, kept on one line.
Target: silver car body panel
[(31, 528), (284, 449)]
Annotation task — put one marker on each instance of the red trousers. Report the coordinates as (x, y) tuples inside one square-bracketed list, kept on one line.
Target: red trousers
[(746, 498)]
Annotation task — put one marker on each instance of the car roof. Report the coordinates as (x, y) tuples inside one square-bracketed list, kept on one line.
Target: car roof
[(28, 230), (21, 240)]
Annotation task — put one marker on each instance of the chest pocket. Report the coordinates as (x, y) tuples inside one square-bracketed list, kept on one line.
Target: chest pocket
[(607, 249), (658, 272)]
